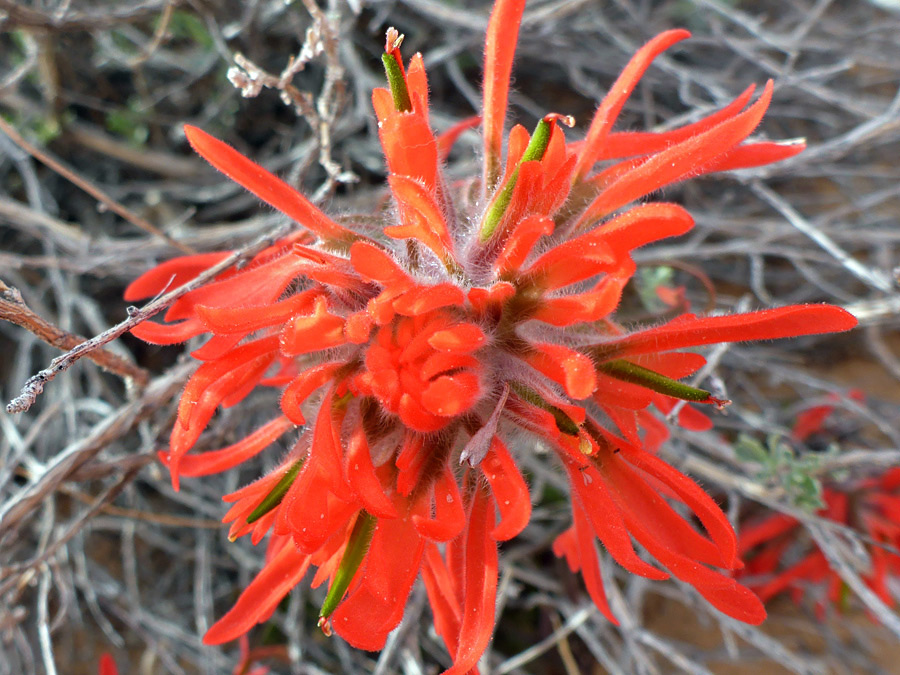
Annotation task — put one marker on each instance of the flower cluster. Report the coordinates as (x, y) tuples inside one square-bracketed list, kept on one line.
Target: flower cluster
[(410, 355), (782, 557)]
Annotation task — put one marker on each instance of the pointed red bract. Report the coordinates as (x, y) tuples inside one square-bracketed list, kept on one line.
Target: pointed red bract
[(609, 109), (259, 599), (266, 186), (216, 461), (630, 143), (676, 162), (691, 331), (509, 489), (500, 45)]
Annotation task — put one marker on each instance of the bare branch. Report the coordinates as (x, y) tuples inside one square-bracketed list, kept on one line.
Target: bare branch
[(14, 310), (35, 385)]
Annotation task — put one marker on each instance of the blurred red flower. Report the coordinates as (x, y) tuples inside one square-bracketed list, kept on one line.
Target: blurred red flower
[(107, 665), (781, 557), (432, 339)]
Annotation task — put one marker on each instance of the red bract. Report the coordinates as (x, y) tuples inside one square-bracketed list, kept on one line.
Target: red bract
[(107, 665), (410, 356)]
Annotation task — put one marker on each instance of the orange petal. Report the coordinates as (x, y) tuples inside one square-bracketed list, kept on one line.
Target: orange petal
[(409, 147), (421, 217), (247, 319), (315, 332), (302, 386), (572, 369), (463, 337), (524, 235), (451, 395)]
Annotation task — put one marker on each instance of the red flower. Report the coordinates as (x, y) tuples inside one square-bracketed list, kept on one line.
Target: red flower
[(408, 352), (810, 421)]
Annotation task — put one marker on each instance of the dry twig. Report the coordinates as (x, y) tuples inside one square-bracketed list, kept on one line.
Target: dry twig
[(14, 310)]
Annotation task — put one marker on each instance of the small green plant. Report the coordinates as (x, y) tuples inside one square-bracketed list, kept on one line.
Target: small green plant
[(130, 123), (648, 280), (781, 464)]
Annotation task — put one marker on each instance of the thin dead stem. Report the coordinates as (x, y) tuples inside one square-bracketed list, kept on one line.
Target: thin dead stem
[(14, 310)]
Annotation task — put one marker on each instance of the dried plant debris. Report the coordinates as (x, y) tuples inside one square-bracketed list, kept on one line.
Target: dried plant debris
[(99, 554)]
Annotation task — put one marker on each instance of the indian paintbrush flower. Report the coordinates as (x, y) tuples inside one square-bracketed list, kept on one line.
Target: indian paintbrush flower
[(408, 355)]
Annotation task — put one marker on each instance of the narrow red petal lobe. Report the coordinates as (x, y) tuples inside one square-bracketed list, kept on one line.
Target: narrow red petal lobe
[(676, 162), (449, 515), (362, 477), (629, 143), (509, 489), (266, 185), (442, 597), (171, 274), (216, 461), (481, 563), (499, 48), (611, 106), (274, 581), (690, 330), (590, 564)]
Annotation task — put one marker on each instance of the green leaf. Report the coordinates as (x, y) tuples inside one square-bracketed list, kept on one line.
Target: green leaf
[(748, 449)]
